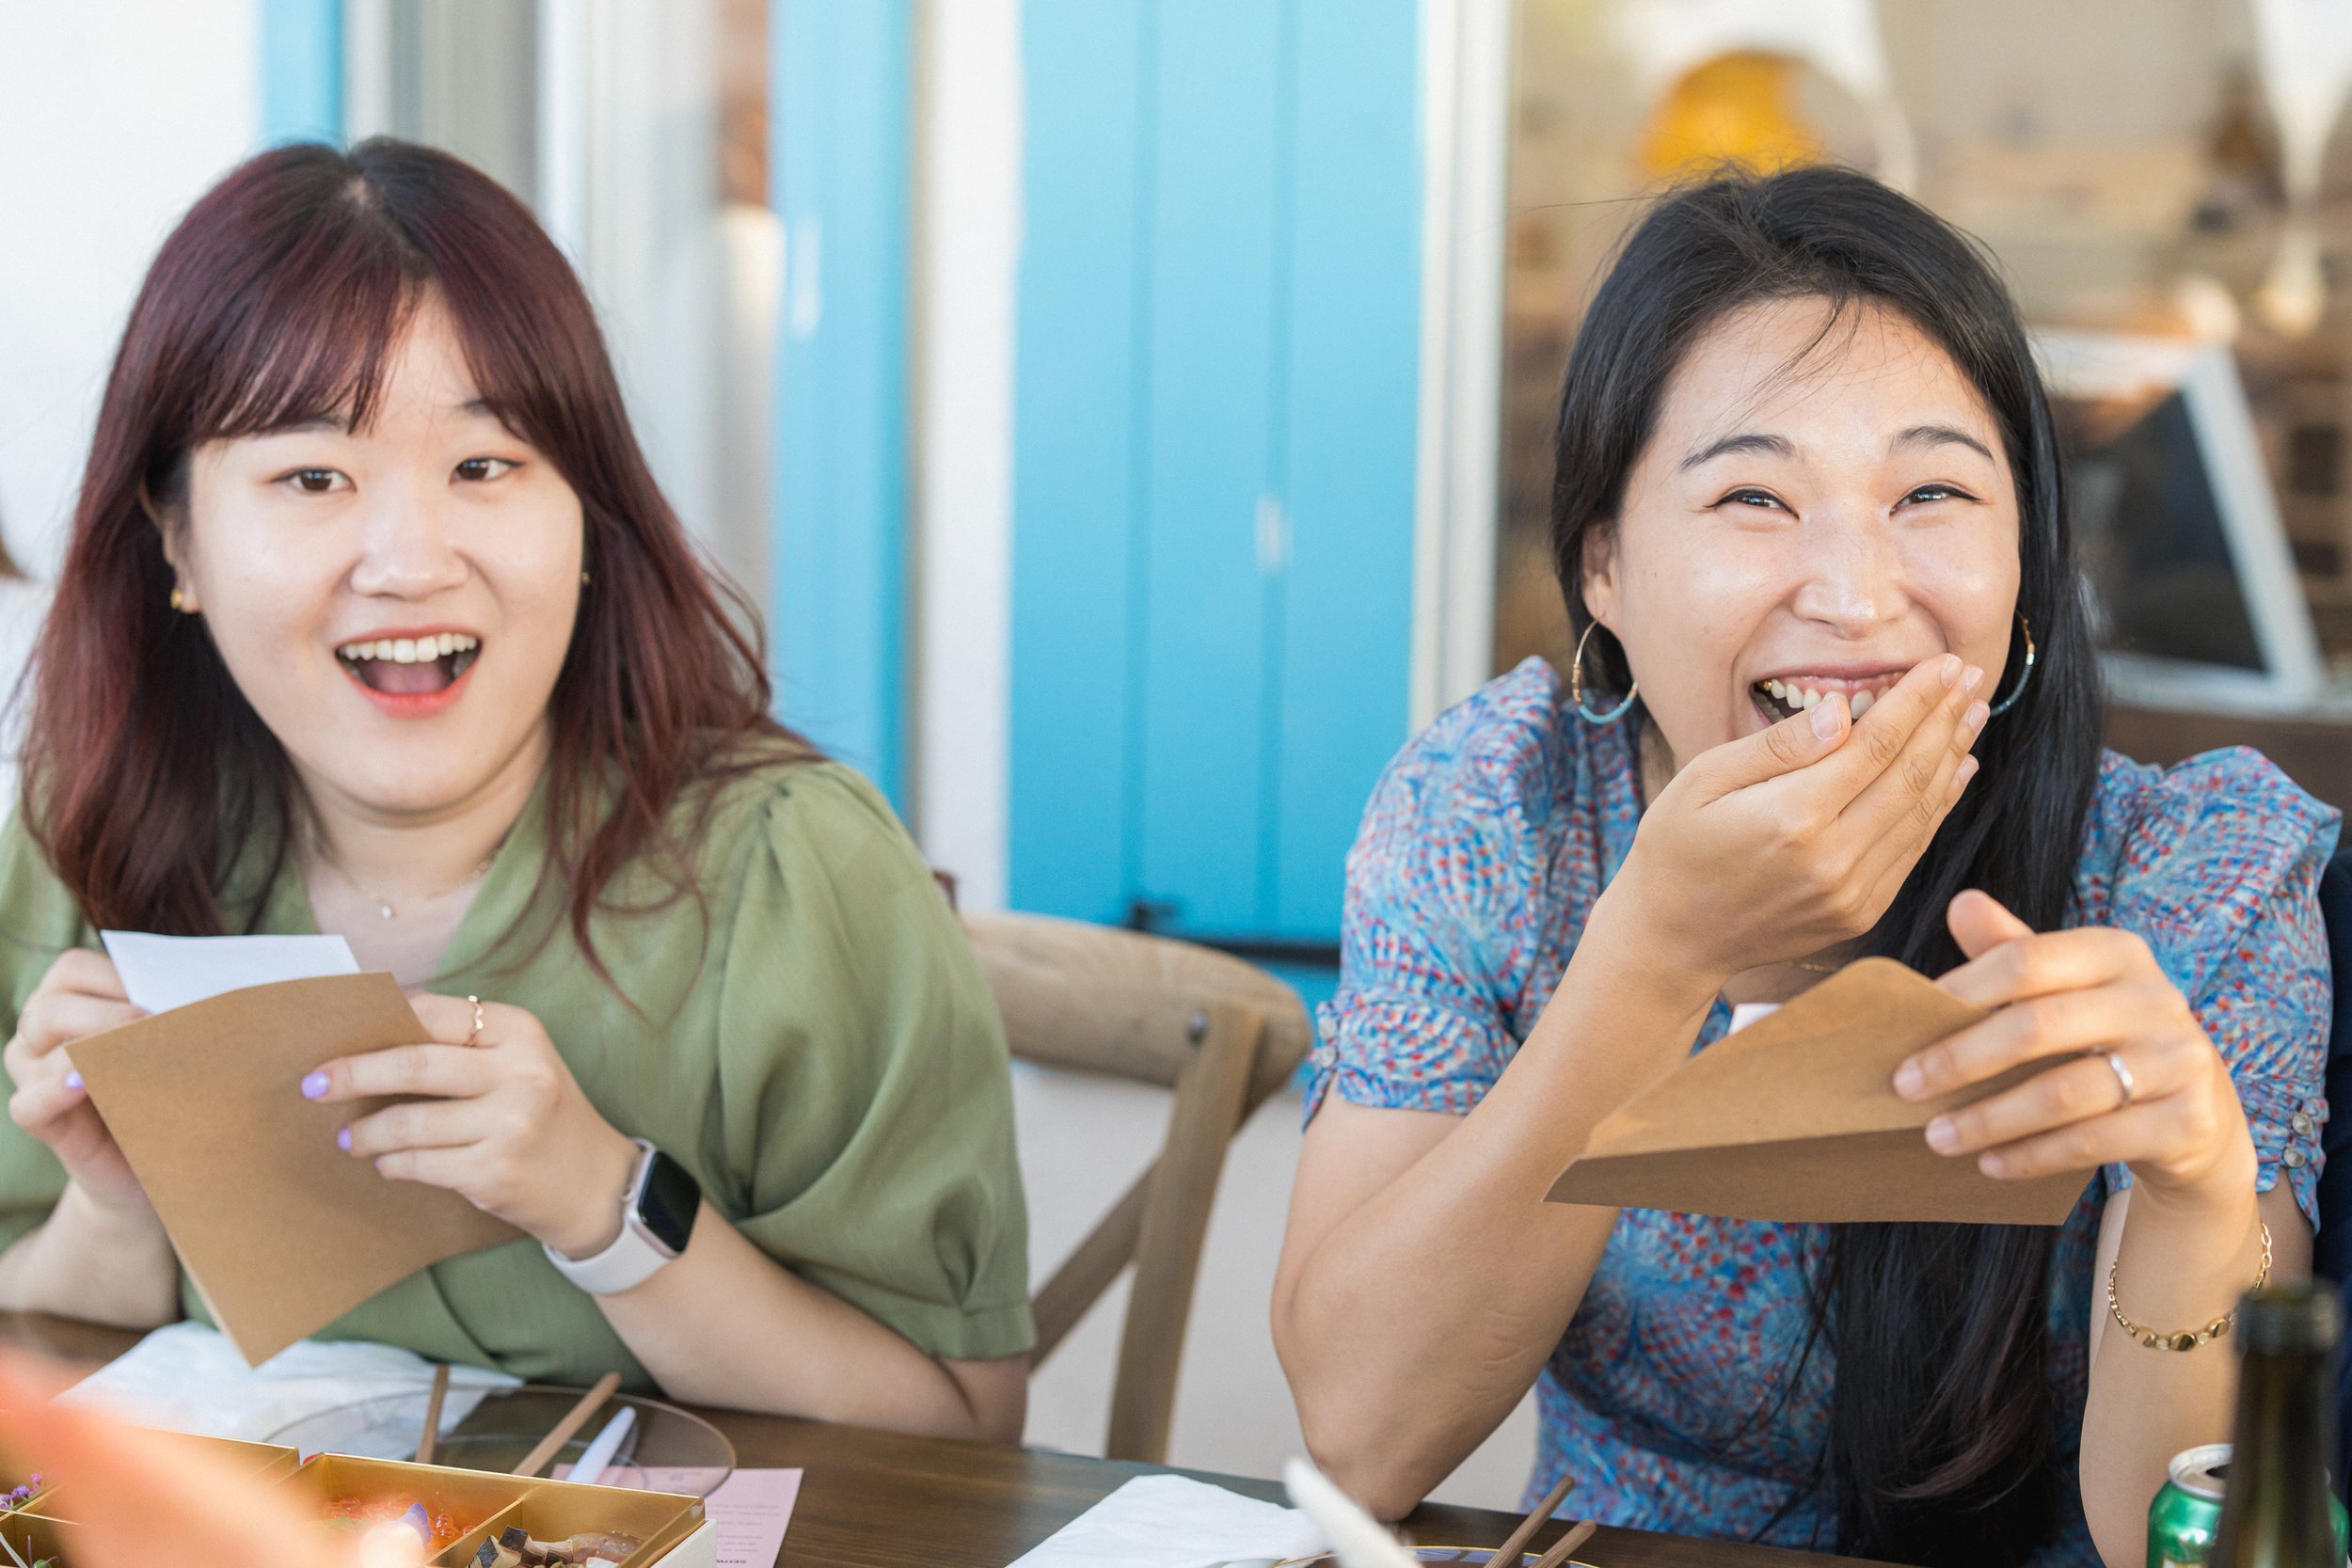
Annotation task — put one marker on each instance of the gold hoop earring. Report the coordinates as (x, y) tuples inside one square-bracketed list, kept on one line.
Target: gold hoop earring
[(1576, 685), (2025, 672)]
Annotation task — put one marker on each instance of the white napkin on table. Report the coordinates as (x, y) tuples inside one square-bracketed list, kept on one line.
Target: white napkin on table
[(187, 1377), (1172, 1522)]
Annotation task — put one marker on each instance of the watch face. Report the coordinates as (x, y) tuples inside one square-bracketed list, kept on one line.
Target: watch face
[(668, 1202)]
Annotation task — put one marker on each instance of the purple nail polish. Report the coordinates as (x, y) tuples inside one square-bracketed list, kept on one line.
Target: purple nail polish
[(314, 1086), (342, 1140), (74, 1082)]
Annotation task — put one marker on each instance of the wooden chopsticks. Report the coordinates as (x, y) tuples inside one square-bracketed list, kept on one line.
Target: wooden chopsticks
[(574, 1419), (430, 1437), (1509, 1551), (1566, 1543)]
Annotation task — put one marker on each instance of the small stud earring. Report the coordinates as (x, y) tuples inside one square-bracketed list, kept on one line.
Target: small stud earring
[(584, 578), (179, 602)]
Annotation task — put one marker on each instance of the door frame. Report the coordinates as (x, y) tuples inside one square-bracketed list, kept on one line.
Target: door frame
[(969, 212), (1466, 105)]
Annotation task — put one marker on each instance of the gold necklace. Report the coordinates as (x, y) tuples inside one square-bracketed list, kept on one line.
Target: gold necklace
[(383, 905)]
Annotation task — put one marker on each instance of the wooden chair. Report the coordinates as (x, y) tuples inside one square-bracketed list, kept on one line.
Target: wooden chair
[(1225, 1035)]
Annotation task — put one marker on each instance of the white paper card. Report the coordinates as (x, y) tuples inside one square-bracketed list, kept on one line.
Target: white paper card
[(1176, 1522), (1745, 1013), (162, 973), (750, 1511)]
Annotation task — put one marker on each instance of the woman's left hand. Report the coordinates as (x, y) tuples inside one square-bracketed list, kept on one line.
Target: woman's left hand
[(502, 1123), (2088, 994)]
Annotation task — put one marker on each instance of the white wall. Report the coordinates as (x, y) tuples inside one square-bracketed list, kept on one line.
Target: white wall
[(113, 118)]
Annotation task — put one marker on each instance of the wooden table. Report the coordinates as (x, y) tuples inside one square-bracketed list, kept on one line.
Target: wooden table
[(875, 1500)]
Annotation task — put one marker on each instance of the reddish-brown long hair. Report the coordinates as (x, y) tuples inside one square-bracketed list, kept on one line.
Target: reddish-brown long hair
[(280, 298)]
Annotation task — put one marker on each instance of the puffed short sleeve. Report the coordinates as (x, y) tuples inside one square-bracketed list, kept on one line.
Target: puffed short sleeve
[(864, 1105), (1446, 899), (2217, 865)]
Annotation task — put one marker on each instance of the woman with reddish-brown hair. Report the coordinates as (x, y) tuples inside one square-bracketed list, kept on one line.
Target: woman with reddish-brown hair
[(373, 622)]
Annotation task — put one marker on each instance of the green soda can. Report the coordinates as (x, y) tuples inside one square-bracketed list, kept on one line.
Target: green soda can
[(2183, 1520)]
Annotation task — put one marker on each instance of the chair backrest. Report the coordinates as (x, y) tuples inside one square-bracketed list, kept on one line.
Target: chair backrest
[(1225, 1035)]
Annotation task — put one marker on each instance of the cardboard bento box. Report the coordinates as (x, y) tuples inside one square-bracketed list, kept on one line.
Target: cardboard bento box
[(257, 1460), (466, 1508)]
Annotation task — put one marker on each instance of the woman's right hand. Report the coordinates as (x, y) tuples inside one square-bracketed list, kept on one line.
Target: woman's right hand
[(1798, 837), (81, 995)]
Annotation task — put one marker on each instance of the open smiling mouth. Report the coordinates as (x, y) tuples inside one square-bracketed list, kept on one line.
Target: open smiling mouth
[(1779, 699), (409, 667)]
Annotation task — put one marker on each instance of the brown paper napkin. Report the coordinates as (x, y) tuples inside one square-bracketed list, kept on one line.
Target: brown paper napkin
[(1796, 1118), (281, 1231)]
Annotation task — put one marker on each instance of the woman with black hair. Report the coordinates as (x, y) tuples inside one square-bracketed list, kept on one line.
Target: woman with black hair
[(1832, 666)]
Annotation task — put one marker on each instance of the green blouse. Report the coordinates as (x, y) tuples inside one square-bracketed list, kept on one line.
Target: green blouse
[(813, 1038)]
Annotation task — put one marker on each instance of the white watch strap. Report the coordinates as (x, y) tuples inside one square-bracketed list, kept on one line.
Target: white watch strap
[(634, 1255)]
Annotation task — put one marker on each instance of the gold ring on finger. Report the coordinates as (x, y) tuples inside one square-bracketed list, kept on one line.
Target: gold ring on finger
[(473, 1036), (2124, 1079)]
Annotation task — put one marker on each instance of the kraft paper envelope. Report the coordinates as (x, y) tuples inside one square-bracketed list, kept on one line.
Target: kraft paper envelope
[(281, 1231), (1796, 1118)]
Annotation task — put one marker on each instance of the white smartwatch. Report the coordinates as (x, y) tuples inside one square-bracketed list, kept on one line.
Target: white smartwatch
[(657, 1221)]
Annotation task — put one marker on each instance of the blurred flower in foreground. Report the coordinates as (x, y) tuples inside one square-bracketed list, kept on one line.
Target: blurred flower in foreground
[(142, 1499)]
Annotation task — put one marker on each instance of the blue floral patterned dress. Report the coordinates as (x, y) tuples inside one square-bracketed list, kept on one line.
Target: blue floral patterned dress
[(1481, 854)]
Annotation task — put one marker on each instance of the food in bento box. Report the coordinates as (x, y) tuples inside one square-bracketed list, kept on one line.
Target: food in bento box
[(588, 1548), (434, 1528)]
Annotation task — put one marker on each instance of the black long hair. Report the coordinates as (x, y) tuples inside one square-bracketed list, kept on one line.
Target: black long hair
[(1941, 1444)]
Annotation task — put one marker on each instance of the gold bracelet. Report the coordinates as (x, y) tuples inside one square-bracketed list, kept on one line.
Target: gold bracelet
[(2188, 1338)]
